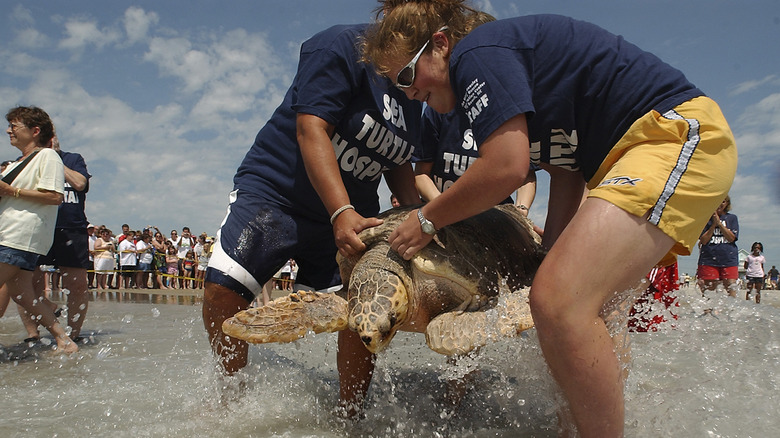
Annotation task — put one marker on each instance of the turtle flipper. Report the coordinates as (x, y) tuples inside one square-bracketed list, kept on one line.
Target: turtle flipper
[(289, 318), (461, 332)]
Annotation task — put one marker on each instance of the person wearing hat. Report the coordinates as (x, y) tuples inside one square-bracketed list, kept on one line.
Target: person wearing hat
[(70, 251)]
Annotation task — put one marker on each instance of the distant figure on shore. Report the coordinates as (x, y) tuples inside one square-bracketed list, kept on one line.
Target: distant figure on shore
[(773, 274), (718, 253), (754, 271)]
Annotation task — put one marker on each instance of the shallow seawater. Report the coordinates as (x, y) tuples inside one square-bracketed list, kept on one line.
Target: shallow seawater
[(148, 373)]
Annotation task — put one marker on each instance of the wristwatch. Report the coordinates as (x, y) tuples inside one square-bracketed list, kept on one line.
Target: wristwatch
[(425, 224)]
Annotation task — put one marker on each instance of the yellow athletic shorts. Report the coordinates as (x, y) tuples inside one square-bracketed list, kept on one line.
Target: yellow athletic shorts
[(675, 168)]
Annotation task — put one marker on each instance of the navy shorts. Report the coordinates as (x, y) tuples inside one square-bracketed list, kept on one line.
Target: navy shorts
[(257, 238), (24, 259), (69, 250)]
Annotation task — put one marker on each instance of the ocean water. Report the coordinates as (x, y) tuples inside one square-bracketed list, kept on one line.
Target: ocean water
[(148, 372)]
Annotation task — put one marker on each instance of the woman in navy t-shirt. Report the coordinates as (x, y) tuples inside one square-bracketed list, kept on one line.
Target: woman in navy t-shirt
[(308, 185), (589, 108)]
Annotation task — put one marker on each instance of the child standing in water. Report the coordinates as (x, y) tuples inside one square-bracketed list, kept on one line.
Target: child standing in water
[(754, 266)]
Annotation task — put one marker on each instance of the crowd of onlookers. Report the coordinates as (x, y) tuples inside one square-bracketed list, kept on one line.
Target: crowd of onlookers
[(147, 258)]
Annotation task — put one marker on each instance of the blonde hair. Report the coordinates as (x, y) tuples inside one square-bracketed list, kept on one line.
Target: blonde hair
[(403, 26)]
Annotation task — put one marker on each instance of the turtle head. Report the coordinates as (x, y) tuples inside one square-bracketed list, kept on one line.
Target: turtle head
[(379, 305)]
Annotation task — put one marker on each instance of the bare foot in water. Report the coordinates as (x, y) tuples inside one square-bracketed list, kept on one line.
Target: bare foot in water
[(65, 345)]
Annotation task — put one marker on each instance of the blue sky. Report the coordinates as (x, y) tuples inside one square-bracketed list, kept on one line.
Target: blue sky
[(163, 99)]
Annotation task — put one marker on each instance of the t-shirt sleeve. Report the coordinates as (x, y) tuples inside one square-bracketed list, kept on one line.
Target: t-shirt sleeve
[(51, 172), (326, 80), (492, 85)]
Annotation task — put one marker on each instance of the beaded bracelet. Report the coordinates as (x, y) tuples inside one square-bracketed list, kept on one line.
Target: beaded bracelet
[(341, 209), (17, 192)]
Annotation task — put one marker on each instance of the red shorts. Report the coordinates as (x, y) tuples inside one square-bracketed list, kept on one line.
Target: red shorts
[(716, 273)]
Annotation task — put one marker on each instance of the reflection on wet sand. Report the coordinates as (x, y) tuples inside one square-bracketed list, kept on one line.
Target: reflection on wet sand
[(146, 296)]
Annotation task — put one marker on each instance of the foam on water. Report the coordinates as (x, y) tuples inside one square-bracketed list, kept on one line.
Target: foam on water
[(149, 373)]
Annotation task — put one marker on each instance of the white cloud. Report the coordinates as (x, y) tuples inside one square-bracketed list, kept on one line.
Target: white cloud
[(22, 15), (137, 23), (31, 38), (746, 86), (81, 33)]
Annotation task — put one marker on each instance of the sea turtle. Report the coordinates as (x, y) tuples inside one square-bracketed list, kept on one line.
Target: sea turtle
[(463, 289)]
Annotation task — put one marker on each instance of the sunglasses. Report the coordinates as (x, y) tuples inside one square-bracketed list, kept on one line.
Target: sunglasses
[(405, 77)]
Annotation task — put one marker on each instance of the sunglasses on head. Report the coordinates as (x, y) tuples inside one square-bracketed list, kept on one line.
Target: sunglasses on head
[(405, 77)]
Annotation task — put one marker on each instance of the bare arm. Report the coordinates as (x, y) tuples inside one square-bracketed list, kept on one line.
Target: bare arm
[(501, 168), (526, 194), (400, 180), (75, 179), (566, 194), (423, 181), (47, 197), (314, 136), (714, 225)]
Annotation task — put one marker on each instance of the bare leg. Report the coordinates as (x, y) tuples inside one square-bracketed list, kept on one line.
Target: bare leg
[(574, 338), (21, 291), (75, 280), (219, 304), (356, 367), (5, 299), (267, 288)]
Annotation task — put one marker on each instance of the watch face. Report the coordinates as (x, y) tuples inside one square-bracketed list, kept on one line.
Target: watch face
[(426, 225)]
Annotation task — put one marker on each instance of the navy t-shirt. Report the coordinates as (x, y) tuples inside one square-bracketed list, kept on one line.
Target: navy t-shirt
[(719, 252), (448, 144), (70, 213), (376, 128), (580, 86)]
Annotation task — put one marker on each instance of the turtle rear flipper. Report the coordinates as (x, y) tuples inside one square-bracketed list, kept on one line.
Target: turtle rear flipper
[(289, 318), (461, 332)]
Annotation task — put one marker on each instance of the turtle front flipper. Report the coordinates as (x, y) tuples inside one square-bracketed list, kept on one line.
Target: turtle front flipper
[(461, 332), (289, 318)]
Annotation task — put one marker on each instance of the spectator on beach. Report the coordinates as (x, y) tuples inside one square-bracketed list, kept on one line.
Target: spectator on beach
[(160, 267), (754, 271), (70, 251), (125, 233), (587, 107), (308, 186), (773, 274), (172, 264), (30, 193), (127, 259), (4, 165), (286, 275), (718, 253), (189, 264), (145, 254), (91, 238), (184, 244), (104, 258), (203, 263)]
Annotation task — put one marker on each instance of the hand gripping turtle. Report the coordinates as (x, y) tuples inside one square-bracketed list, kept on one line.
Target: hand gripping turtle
[(466, 288)]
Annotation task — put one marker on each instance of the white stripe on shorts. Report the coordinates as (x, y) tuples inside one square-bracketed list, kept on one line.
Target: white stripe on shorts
[(679, 169)]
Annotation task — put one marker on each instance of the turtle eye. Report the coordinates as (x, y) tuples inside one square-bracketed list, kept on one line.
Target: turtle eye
[(393, 319)]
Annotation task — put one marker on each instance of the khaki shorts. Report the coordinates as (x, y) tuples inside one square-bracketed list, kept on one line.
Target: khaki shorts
[(675, 168)]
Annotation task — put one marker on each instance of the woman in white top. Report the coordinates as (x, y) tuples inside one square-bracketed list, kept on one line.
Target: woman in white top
[(28, 212), (104, 257)]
